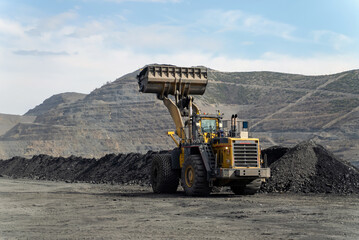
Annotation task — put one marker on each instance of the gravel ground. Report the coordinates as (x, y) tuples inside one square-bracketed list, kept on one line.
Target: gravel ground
[(311, 195), (31, 209)]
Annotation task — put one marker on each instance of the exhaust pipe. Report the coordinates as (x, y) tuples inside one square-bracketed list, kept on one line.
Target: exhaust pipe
[(235, 125)]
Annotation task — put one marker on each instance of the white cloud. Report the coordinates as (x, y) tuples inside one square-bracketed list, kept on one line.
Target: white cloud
[(236, 20), (333, 39), (90, 28), (262, 26), (148, 38), (38, 53), (53, 23), (155, 36), (11, 28), (64, 56), (35, 78), (314, 65), (227, 20)]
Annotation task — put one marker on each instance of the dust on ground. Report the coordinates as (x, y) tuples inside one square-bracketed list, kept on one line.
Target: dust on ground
[(31, 209)]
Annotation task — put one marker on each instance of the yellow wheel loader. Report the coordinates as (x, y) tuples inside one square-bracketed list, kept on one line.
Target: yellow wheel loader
[(210, 151)]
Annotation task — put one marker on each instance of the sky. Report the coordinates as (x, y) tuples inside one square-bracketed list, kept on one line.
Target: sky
[(51, 47)]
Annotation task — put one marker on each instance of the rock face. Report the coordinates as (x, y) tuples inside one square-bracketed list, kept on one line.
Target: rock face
[(115, 118), (54, 101), (282, 109), (8, 121)]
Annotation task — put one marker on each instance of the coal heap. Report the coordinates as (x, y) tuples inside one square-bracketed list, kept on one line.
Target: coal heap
[(274, 153), (305, 168), (112, 168), (309, 168)]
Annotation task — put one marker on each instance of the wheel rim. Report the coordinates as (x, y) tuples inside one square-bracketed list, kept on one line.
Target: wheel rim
[(189, 176)]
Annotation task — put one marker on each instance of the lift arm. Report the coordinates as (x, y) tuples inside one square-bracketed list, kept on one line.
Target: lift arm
[(180, 82), (176, 116)]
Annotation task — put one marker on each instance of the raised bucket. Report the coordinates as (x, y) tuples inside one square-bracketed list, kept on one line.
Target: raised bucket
[(166, 80)]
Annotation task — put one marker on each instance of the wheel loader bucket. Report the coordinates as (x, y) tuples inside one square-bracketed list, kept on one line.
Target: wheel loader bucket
[(167, 80)]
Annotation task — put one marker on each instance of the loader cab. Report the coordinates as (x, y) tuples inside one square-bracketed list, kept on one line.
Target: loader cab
[(209, 127)]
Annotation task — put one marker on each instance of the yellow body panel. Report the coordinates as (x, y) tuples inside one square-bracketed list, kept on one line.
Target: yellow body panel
[(224, 152)]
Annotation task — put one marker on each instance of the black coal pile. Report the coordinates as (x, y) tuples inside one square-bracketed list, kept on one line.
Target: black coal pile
[(305, 168), (309, 168), (112, 168), (274, 153)]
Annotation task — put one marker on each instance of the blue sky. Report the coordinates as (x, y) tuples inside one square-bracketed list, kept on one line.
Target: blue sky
[(49, 47)]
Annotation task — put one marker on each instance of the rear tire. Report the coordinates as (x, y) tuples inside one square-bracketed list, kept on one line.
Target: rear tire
[(194, 177), (163, 178)]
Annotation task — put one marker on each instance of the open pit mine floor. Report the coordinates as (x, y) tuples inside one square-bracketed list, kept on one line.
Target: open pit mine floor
[(34, 209)]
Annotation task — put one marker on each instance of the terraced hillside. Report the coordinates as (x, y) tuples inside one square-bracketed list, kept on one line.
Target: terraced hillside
[(282, 109), (8, 121), (112, 119)]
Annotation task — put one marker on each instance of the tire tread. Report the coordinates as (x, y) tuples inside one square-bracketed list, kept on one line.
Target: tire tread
[(167, 179)]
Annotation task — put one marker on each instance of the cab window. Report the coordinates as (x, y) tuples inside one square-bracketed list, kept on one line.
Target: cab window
[(208, 125)]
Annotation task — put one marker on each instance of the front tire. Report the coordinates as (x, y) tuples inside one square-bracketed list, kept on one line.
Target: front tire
[(194, 177), (163, 178)]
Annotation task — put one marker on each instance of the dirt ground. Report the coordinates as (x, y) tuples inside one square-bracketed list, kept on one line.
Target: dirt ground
[(31, 209)]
